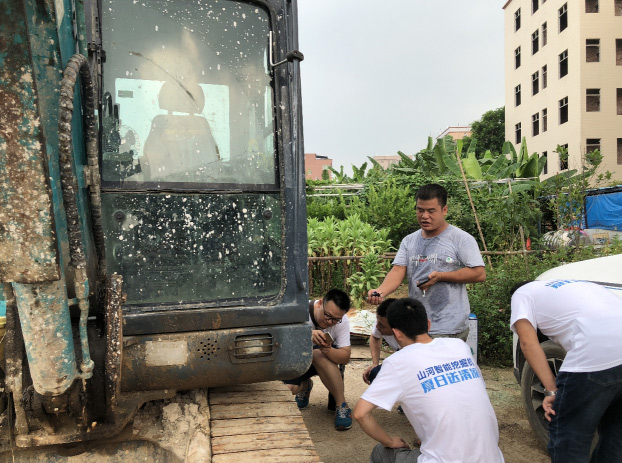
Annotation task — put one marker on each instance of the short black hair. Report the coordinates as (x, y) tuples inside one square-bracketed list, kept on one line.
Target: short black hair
[(409, 316), (431, 191), (381, 310), (518, 285), (340, 298)]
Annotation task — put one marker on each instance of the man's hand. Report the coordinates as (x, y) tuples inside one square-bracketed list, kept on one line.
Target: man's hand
[(366, 374), (374, 296), (318, 338), (547, 405), (397, 443)]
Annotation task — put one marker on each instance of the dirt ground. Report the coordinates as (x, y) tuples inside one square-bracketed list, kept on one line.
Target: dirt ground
[(516, 439)]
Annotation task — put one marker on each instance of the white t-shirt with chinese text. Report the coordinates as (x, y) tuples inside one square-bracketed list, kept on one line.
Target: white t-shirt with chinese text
[(584, 318), (444, 397)]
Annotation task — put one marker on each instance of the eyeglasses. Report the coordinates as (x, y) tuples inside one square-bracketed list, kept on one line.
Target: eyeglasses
[(330, 318)]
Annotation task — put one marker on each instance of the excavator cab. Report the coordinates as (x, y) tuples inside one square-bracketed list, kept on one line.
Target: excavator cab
[(152, 220)]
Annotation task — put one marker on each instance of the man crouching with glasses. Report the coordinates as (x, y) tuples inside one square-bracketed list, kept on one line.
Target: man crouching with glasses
[(331, 348)]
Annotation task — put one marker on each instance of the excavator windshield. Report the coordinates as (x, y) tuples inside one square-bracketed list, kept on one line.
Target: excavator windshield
[(187, 95), (191, 196)]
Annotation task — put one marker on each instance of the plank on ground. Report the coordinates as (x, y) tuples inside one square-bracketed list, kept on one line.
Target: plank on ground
[(226, 397), (268, 386), (263, 441), (269, 456), (249, 410), (245, 426)]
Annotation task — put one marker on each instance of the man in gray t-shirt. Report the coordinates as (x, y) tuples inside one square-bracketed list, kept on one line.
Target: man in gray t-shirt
[(447, 257)]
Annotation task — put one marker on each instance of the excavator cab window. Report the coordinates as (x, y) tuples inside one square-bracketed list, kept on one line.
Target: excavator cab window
[(187, 96), (192, 207)]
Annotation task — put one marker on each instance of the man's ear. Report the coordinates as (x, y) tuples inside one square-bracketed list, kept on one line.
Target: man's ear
[(398, 334)]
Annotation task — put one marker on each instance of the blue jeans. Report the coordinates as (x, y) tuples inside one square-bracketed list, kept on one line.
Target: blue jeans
[(586, 403)]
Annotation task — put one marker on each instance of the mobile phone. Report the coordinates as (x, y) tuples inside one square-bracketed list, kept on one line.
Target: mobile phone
[(376, 294), (329, 339), (422, 282)]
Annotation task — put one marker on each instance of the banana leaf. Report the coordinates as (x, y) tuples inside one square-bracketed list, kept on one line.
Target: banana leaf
[(523, 157), (471, 167), (499, 165), (529, 168), (472, 146), (519, 187), (508, 149), (406, 160), (541, 164)]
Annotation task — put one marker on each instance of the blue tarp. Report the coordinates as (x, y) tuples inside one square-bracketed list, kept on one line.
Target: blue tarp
[(604, 211)]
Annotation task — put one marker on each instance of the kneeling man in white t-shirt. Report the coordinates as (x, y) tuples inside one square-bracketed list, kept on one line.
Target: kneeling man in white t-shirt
[(442, 394)]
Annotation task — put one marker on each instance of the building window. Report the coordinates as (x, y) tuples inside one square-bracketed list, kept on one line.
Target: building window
[(535, 42), (544, 34), (619, 101), (517, 58), (544, 80), (517, 95), (517, 20), (592, 100), (545, 169), (619, 52), (563, 157), (563, 110), (619, 151), (563, 64), (535, 83), (544, 120), (534, 6), (563, 17), (592, 144), (591, 6), (518, 137), (535, 124), (617, 8), (592, 50)]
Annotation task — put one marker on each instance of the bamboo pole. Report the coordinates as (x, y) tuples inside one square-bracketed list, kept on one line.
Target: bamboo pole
[(520, 229), (479, 228)]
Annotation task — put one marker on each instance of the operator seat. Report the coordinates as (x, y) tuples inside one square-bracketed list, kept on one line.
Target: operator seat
[(180, 147)]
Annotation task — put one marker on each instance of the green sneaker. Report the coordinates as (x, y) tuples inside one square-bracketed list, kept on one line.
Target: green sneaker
[(343, 417)]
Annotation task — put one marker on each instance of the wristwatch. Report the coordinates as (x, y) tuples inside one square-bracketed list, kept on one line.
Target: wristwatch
[(550, 393)]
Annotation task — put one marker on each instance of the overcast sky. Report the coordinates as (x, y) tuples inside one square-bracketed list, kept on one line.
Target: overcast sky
[(382, 75)]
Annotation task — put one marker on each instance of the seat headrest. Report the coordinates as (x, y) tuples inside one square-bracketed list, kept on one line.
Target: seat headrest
[(181, 97)]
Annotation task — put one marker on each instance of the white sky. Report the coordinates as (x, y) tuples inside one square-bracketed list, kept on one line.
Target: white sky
[(381, 76)]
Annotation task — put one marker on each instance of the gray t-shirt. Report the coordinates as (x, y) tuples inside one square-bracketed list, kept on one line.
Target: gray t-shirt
[(447, 304)]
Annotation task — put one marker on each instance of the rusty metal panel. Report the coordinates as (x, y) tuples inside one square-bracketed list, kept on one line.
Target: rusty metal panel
[(28, 251)]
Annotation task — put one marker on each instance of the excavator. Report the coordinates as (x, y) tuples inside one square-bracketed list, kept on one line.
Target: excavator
[(152, 208)]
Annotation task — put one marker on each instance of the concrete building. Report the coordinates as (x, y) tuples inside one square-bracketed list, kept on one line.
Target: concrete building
[(563, 80), (456, 132), (386, 161), (315, 165)]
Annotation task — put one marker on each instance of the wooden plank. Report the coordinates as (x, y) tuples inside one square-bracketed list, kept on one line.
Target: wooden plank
[(263, 441), (268, 386), (232, 411), (269, 456), (245, 426), (259, 423), (226, 397)]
